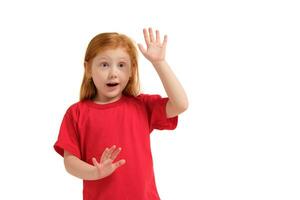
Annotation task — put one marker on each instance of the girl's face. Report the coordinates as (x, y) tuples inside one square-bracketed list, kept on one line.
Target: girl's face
[(110, 71)]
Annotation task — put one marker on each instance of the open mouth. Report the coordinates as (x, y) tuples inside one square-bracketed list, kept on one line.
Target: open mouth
[(112, 84)]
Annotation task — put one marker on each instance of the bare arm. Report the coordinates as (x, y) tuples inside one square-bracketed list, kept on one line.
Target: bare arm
[(155, 53), (85, 171), (79, 168), (178, 101)]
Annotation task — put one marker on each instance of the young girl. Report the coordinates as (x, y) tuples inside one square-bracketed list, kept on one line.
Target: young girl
[(113, 120)]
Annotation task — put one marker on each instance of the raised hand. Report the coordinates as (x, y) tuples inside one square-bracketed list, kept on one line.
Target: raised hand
[(106, 166), (156, 50)]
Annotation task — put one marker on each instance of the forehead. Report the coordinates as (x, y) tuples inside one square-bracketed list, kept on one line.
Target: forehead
[(113, 54)]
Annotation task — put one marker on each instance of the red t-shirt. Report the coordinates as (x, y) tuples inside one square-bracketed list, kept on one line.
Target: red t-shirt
[(88, 128)]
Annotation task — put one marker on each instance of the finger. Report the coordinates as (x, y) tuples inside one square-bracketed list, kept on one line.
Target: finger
[(146, 37), (104, 155), (110, 151), (142, 49), (115, 153), (157, 36), (151, 35), (95, 162), (165, 41), (119, 163)]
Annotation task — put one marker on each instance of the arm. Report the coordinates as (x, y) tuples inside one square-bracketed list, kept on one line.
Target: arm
[(178, 101), (155, 53), (85, 171), (79, 168)]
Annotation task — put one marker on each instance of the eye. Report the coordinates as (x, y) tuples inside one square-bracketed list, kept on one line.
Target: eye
[(121, 64), (104, 64)]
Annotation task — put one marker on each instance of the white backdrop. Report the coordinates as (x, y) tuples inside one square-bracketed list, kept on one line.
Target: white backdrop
[(238, 61)]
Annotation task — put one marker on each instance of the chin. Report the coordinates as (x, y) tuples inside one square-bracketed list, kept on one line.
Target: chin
[(113, 95)]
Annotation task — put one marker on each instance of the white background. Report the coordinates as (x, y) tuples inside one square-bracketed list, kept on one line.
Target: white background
[(238, 61)]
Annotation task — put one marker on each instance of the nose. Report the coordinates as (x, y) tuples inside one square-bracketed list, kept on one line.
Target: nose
[(113, 72)]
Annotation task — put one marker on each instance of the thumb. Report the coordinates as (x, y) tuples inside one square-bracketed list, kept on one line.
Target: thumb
[(95, 162), (142, 49)]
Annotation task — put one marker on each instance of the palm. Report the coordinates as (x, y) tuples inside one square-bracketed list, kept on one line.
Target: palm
[(156, 50), (106, 165)]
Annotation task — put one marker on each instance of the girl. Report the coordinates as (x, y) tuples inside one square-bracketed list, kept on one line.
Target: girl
[(112, 116)]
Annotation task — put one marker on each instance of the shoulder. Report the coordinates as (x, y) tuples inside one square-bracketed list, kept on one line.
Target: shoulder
[(143, 98), (146, 98), (76, 108), (150, 101)]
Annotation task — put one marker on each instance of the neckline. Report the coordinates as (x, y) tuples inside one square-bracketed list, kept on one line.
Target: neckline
[(93, 104)]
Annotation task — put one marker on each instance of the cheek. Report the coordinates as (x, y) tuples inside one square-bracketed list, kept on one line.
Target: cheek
[(98, 79), (125, 76)]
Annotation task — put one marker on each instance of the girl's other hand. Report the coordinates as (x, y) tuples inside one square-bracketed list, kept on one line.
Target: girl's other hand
[(156, 50), (106, 166)]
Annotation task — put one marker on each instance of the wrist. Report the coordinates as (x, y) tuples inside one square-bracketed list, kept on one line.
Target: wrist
[(159, 63), (96, 173)]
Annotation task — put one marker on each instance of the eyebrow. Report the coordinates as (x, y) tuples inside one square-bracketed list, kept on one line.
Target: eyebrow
[(125, 58), (105, 57), (102, 57)]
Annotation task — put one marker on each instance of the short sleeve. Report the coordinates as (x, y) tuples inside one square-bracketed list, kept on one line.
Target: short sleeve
[(156, 109), (68, 138)]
